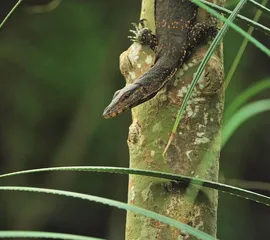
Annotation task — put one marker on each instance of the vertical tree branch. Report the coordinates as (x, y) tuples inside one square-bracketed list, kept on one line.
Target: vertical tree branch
[(197, 135)]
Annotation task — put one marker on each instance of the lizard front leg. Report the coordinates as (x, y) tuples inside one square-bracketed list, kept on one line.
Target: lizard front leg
[(143, 35), (199, 33)]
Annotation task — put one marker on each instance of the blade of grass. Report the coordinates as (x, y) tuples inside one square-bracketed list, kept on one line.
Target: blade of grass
[(245, 96), (207, 160), (243, 47), (247, 184), (260, 6), (243, 115), (201, 67), (169, 176), (171, 222), (50, 235), (10, 12), (234, 26), (244, 19), (44, 8)]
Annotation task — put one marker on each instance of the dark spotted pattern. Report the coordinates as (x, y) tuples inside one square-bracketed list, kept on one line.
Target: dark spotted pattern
[(143, 35), (177, 34)]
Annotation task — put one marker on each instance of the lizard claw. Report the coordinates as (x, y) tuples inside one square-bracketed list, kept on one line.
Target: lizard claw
[(132, 39), (141, 21), (133, 31), (142, 34), (136, 26)]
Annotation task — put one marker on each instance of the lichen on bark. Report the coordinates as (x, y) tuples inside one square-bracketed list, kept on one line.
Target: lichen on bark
[(197, 134)]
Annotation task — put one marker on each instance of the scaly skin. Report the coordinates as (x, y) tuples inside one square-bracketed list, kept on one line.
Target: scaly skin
[(177, 35)]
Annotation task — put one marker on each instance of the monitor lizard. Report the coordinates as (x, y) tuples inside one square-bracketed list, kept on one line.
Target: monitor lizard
[(177, 33)]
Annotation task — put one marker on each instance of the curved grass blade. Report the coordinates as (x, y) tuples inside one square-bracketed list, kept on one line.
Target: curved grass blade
[(10, 12), (242, 115), (173, 223), (245, 96), (247, 184), (201, 67), (169, 176), (234, 26), (43, 8), (49, 235), (242, 48), (239, 17), (260, 6)]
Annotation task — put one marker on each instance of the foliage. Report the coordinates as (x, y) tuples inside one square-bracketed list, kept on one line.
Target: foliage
[(232, 122)]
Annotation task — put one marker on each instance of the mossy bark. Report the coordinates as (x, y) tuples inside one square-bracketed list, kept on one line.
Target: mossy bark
[(197, 134)]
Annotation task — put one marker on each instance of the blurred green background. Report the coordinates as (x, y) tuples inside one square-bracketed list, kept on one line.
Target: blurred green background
[(58, 72)]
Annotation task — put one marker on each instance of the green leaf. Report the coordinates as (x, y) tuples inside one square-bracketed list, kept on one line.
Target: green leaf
[(36, 234), (206, 58), (242, 18), (234, 26), (10, 12), (245, 96), (242, 48), (260, 7), (173, 223), (175, 177), (243, 115)]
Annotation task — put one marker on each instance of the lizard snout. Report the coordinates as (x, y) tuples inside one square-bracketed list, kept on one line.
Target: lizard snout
[(107, 114)]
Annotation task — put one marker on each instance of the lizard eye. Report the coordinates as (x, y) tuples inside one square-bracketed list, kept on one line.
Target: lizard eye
[(126, 96), (116, 93)]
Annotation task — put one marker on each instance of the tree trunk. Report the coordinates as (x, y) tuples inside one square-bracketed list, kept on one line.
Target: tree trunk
[(197, 134)]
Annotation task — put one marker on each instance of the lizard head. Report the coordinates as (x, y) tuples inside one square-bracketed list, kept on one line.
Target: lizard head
[(123, 99)]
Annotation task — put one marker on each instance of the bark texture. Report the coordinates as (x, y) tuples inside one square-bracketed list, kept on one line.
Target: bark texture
[(197, 134)]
